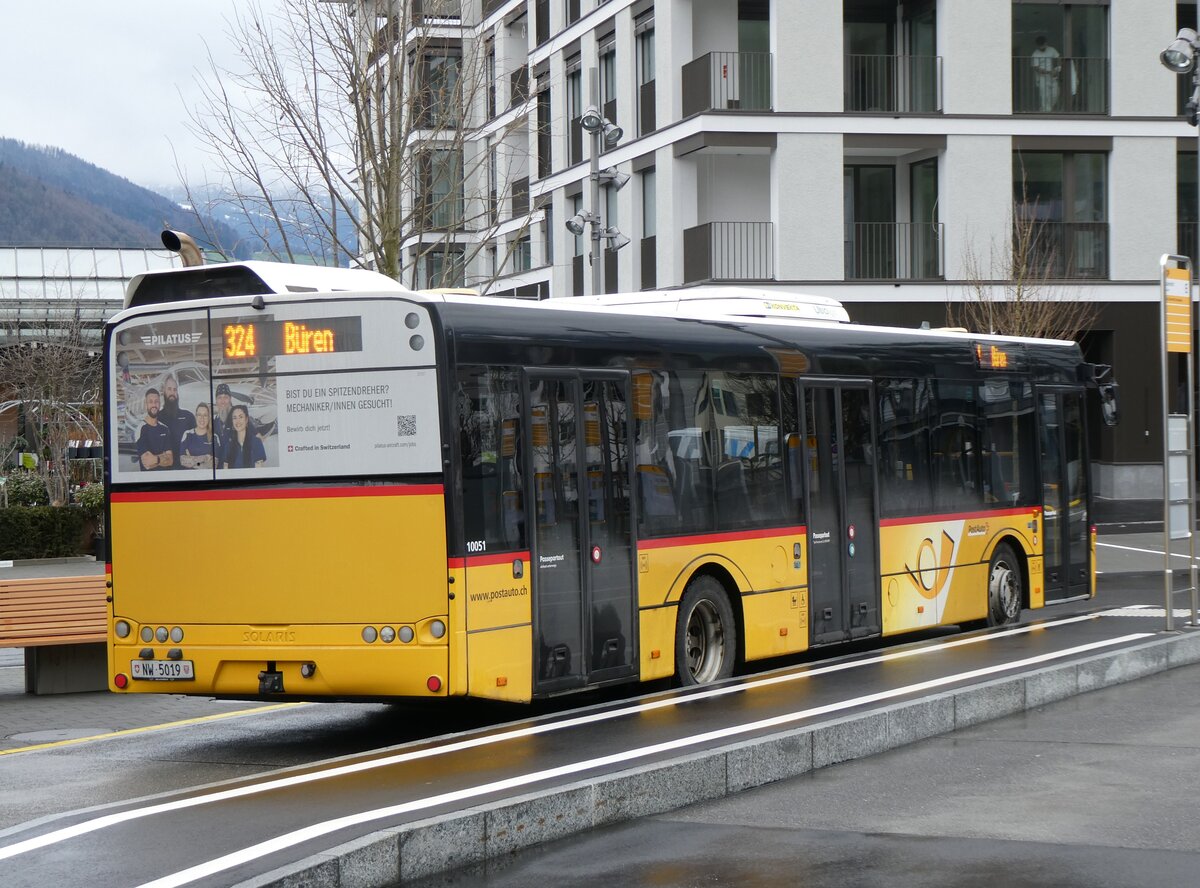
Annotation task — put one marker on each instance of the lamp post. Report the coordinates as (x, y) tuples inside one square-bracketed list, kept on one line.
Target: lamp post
[(603, 131)]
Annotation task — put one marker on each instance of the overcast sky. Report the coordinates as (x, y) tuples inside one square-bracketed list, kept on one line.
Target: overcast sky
[(109, 82)]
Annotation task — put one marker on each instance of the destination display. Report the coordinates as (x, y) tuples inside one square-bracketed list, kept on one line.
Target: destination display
[(255, 339)]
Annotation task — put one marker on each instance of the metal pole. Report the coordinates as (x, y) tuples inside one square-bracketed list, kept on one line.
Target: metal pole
[(597, 216), (1166, 456), (1191, 358)]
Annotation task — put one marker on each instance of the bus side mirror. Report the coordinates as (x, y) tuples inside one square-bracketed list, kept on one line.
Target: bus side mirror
[(1109, 408)]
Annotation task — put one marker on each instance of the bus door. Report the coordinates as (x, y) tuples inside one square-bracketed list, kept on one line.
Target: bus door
[(1065, 496), (582, 542), (843, 563)]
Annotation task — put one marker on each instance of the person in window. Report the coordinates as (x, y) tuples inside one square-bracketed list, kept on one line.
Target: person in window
[(244, 449), (1047, 66), (154, 440), (199, 446)]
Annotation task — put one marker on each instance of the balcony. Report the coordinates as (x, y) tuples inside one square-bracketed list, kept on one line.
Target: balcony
[(727, 81), (1066, 250), (1060, 86), (893, 84), (894, 251), (729, 251)]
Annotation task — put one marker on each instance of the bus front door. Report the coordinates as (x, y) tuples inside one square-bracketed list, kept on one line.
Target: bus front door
[(582, 542), (843, 571), (1065, 497)]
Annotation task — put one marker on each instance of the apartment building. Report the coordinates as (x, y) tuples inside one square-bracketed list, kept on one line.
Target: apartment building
[(874, 151)]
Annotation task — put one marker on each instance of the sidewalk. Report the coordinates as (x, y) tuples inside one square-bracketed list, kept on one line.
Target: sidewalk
[(27, 720)]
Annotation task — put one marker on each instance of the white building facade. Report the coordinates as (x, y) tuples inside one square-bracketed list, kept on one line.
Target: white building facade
[(864, 150)]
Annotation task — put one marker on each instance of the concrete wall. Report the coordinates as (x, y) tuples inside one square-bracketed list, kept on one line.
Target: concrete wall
[(1138, 31), (975, 179), (806, 39), (733, 188), (714, 27), (1141, 211), (807, 173), (975, 43)]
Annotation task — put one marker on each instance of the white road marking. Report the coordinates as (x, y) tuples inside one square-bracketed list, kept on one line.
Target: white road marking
[(1157, 552), (288, 840), (98, 823)]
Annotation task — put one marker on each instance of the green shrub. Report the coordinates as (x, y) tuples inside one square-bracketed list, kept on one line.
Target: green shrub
[(91, 501), (40, 532), (26, 488)]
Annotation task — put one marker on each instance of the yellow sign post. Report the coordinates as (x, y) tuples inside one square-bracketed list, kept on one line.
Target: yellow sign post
[(1179, 430)]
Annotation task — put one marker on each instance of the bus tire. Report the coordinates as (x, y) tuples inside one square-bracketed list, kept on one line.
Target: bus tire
[(1005, 588), (705, 634)]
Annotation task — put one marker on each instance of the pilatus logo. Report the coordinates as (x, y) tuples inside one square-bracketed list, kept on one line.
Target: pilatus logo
[(932, 570), (171, 339)]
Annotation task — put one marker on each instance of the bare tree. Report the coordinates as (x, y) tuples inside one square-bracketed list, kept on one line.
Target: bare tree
[(1018, 290), (51, 370), (354, 132)]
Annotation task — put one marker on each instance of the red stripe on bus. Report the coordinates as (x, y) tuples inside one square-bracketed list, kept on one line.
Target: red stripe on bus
[(187, 496), (960, 516), (485, 560), (731, 536)]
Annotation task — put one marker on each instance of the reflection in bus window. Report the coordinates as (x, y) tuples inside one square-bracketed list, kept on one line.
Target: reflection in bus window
[(903, 442), (489, 410), (955, 448), (1009, 443)]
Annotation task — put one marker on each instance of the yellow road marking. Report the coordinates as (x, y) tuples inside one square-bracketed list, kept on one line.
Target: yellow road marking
[(175, 724)]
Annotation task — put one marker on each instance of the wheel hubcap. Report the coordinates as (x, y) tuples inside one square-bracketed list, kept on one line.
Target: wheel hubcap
[(1005, 593), (705, 642)]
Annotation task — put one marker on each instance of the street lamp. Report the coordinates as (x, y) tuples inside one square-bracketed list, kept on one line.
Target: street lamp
[(1180, 56), (601, 130)]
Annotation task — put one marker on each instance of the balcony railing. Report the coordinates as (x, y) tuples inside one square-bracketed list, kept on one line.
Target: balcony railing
[(894, 251), (727, 81), (729, 251), (1060, 86), (1067, 250), (893, 84)]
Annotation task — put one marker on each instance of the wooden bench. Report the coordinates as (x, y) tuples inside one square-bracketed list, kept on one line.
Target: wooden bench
[(61, 622)]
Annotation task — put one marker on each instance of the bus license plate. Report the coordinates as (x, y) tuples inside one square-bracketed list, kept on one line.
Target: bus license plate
[(162, 670)]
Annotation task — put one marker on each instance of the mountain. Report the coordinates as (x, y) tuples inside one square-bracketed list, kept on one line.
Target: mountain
[(51, 198)]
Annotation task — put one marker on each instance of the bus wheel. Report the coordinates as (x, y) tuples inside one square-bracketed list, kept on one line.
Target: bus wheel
[(705, 636), (1004, 587)]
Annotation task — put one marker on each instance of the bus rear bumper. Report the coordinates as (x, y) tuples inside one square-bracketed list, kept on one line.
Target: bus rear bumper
[(273, 673)]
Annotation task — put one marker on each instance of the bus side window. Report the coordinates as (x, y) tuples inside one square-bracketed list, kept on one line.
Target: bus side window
[(490, 450)]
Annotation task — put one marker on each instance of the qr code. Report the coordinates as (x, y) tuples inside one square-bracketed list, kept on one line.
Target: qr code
[(406, 425)]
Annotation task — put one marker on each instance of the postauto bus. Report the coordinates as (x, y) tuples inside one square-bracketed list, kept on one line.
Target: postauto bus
[(357, 491)]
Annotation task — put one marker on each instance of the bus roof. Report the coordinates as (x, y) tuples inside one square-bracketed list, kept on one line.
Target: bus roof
[(724, 302), (250, 279)]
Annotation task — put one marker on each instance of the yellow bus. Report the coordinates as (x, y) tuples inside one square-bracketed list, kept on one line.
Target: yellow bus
[(324, 486)]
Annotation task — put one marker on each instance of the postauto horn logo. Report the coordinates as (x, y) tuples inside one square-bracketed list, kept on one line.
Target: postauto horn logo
[(933, 570)]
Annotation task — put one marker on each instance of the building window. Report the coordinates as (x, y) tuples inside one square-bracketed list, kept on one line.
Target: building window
[(1060, 58), (440, 188), (490, 73), (607, 51), (570, 11), (1059, 213), (1186, 205), (643, 29), (544, 158), (649, 244), (437, 92), (522, 253), (442, 266), (574, 90)]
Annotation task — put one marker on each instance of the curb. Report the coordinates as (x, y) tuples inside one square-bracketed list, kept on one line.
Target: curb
[(465, 841)]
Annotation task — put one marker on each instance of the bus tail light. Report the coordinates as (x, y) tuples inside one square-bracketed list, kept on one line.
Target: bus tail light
[(122, 629), (433, 683), (121, 681), (437, 628)]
